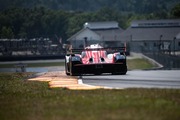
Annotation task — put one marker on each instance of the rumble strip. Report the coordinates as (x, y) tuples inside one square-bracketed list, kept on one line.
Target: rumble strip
[(59, 79)]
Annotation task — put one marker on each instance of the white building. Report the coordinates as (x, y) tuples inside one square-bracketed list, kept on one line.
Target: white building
[(153, 35), (97, 32)]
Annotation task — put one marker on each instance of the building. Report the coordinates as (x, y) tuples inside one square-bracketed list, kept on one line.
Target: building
[(153, 35), (106, 33), (141, 36), (157, 39)]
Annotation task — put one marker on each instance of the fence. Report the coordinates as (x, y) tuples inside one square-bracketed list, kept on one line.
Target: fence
[(168, 61)]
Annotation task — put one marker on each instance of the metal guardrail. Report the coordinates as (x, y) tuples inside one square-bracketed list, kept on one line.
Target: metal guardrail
[(168, 61)]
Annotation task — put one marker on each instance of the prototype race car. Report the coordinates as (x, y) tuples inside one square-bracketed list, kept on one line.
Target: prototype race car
[(96, 60)]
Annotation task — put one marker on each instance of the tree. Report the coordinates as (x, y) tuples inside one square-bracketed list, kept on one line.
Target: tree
[(175, 12), (6, 32), (76, 21)]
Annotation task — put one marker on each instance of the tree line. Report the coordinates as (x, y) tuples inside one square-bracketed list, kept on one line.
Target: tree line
[(137, 6), (23, 22)]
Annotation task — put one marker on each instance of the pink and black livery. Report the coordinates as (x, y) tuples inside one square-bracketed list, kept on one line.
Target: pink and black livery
[(96, 60)]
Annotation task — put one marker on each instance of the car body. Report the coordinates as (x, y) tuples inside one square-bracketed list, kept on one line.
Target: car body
[(96, 60)]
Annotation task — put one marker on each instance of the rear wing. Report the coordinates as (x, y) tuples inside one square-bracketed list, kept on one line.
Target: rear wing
[(108, 50)]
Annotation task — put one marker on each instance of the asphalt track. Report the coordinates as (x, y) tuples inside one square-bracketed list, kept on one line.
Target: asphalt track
[(133, 79), (137, 79)]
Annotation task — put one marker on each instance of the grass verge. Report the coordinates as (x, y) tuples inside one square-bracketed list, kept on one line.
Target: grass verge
[(132, 64), (48, 64), (29, 100), (139, 63)]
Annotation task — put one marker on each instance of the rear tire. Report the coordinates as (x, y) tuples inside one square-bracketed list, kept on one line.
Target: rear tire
[(66, 68), (71, 69), (67, 73)]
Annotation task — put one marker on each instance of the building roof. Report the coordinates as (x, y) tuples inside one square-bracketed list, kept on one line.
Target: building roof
[(152, 30), (107, 31), (75, 36), (139, 30), (101, 25), (155, 23), (109, 34)]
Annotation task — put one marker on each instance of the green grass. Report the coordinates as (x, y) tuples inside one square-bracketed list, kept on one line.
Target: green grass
[(46, 64), (27, 100), (132, 64), (139, 64)]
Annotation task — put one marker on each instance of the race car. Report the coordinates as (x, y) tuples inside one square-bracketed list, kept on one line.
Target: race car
[(96, 60)]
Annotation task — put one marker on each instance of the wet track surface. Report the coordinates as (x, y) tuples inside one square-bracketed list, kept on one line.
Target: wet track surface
[(137, 79)]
